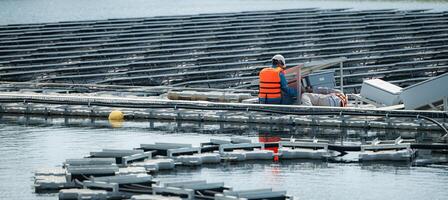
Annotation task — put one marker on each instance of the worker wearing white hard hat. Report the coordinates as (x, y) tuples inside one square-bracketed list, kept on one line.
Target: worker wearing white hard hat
[(280, 61), (274, 87)]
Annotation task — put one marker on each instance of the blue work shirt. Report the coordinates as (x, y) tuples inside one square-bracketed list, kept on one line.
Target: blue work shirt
[(288, 93)]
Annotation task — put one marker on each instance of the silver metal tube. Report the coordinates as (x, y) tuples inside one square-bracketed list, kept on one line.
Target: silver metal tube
[(299, 86), (445, 103), (341, 75)]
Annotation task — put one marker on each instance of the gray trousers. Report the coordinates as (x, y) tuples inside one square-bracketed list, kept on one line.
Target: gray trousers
[(312, 99)]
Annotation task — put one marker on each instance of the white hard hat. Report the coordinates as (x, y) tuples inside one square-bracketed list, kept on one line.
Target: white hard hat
[(279, 58)]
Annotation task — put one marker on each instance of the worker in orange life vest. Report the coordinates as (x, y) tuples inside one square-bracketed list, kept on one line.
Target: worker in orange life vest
[(273, 84)]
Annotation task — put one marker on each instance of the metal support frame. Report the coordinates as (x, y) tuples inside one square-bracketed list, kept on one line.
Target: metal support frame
[(341, 84), (299, 85), (445, 103)]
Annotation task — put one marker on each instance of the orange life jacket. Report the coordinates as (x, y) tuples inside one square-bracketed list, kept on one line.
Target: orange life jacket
[(270, 83), (343, 98)]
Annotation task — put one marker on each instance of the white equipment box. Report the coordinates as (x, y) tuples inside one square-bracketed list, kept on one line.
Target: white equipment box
[(381, 92), (431, 91)]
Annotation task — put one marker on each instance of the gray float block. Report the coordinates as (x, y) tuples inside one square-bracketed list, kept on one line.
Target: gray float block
[(379, 147), (302, 153), (153, 197), (155, 164), (103, 185), (148, 165), (124, 179), (256, 194), (237, 140), (138, 156), (389, 155), (174, 191), (82, 194), (303, 144), (205, 186), (131, 170), (182, 184), (89, 161), (165, 164), (210, 158), (109, 153), (50, 182), (234, 156), (172, 152), (218, 141), (92, 169), (259, 155), (223, 197), (198, 159), (165, 146), (55, 171), (225, 147), (189, 160)]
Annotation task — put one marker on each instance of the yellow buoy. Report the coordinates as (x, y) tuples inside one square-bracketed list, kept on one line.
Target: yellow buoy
[(116, 119), (116, 123), (116, 115)]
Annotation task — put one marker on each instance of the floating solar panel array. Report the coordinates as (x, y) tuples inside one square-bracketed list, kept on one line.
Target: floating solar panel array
[(227, 50)]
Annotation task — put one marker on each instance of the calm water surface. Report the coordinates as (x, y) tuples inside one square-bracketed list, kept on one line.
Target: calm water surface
[(27, 146), (34, 11)]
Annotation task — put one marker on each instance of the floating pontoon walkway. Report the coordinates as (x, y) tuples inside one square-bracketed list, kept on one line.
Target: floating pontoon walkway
[(155, 108), (227, 50), (123, 173)]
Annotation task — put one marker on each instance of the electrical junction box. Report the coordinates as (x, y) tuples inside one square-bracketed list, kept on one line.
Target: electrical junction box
[(381, 92), (324, 79)]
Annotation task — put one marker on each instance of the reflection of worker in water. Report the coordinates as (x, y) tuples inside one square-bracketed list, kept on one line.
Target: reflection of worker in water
[(267, 138), (324, 97), (273, 84)]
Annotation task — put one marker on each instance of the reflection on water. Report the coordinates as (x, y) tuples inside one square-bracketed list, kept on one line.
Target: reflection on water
[(116, 123), (29, 143), (334, 135)]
